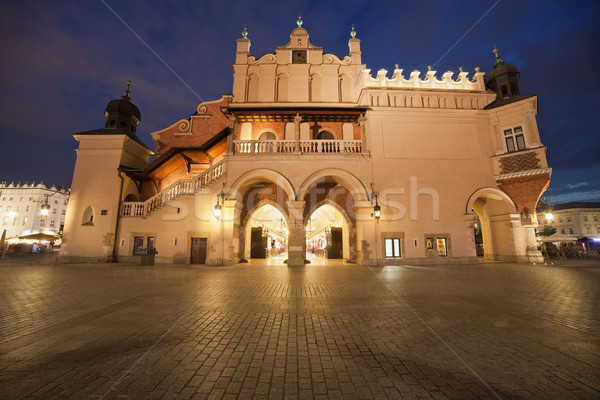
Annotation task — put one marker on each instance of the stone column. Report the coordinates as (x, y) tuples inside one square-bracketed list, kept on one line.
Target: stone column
[(229, 218), (297, 234), (297, 120), (362, 121), (230, 145), (365, 234), (529, 223)]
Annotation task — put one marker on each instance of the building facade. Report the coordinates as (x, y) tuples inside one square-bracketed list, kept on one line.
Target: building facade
[(21, 208), (581, 219), (311, 152)]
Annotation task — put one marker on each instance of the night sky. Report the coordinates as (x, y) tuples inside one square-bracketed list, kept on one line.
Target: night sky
[(63, 61)]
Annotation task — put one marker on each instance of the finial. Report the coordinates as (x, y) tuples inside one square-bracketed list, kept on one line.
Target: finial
[(477, 69), (352, 32), (498, 59), (126, 95), (460, 69), (397, 66), (299, 22), (429, 68), (245, 33)]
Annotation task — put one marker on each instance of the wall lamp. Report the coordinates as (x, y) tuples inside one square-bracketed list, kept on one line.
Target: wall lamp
[(220, 200), (45, 207), (376, 206)]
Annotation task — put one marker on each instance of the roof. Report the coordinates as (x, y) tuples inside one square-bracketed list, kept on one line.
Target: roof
[(575, 204), (111, 131), (509, 100)]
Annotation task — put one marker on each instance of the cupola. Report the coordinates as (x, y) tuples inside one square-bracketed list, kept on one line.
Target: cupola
[(122, 114), (504, 79)]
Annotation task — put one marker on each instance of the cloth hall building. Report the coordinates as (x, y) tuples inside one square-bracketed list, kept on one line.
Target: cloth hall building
[(313, 155)]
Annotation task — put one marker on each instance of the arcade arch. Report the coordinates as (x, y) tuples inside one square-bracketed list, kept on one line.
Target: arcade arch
[(503, 235)]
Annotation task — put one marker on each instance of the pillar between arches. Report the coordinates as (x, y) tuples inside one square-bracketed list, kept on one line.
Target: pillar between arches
[(297, 234), (230, 230)]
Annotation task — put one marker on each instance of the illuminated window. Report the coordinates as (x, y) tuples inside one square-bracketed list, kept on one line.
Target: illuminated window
[(515, 141), (138, 245), (392, 248)]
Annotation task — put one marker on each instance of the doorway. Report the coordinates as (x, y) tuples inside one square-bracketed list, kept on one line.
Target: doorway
[(198, 252)]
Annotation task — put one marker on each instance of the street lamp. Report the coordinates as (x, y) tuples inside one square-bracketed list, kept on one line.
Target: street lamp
[(45, 207)]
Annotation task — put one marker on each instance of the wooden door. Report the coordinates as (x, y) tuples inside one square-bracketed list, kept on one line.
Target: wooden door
[(335, 249), (258, 243), (198, 255)]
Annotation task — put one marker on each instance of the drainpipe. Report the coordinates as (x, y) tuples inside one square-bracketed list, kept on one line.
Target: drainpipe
[(115, 257)]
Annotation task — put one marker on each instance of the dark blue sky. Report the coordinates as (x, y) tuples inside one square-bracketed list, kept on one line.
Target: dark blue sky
[(63, 61)]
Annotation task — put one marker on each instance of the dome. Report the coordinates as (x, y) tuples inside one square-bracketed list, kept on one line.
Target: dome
[(123, 107)]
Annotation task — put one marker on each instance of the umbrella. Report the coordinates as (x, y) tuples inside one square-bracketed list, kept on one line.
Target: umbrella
[(558, 237), (40, 236)]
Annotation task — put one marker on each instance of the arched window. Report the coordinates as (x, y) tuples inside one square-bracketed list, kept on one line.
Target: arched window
[(88, 216), (131, 198), (325, 136), (267, 136)]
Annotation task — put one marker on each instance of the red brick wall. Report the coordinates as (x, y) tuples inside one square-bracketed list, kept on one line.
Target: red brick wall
[(202, 128), (525, 191)]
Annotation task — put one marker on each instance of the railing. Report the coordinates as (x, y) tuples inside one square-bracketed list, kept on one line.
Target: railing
[(289, 146), (178, 188)]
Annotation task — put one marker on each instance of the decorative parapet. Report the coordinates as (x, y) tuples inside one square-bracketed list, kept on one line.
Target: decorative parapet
[(476, 84)]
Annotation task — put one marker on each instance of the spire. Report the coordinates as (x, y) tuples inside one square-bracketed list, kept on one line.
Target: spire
[(126, 95), (498, 59), (245, 33), (352, 32), (299, 22)]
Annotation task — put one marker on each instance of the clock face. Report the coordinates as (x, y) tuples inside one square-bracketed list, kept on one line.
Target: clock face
[(299, 57)]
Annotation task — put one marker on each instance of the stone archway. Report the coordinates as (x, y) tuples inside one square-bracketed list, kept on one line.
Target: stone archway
[(504, 238)]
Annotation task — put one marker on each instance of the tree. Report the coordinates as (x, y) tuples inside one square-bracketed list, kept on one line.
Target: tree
[(547, 231)]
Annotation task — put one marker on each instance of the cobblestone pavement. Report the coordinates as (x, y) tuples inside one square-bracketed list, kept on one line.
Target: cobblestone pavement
[(106, 331)]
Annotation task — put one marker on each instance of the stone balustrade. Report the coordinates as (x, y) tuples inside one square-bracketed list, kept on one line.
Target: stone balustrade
[(176, 189), (289, 146)]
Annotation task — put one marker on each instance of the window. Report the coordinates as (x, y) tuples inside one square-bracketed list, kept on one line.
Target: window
[(10, 199), (52, 222), (55, 201), (571, 231), (54, 211), (31, 199), (595, 218), (4, 199), (514, 137), (560, 219), (267, 136), (442, 250), (562, 231), (28, 208), (589, 229), (138, 245), (585, 218), (392, 248), (63, 212), (298, 56), (151, 241), (325, 136), (20, 199), (568, 219)]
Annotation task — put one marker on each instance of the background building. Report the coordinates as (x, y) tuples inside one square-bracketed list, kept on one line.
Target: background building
[(581, 219), (377, 169), (21, 208)]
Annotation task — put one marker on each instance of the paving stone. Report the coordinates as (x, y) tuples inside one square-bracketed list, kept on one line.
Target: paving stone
[(328, 330)]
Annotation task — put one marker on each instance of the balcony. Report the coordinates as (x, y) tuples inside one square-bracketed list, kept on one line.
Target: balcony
[(248, 147)]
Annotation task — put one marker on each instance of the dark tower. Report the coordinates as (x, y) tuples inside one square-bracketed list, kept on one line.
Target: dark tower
[(122, 114), (504, 79)]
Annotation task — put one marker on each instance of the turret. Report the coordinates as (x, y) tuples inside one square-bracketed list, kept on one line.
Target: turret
[(504, 79)]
